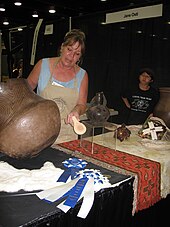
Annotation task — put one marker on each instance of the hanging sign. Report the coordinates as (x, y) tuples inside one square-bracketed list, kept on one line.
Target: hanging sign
[(48, 29), (135, 14), (34, 45)]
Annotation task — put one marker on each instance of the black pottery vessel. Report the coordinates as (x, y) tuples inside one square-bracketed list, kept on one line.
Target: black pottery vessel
[(98, 113)]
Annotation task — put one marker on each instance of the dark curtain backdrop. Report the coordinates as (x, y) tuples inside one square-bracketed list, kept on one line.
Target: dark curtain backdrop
[(47, 45), (114, 52)]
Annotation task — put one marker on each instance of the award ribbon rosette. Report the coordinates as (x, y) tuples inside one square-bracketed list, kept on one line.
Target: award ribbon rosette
[(72, 166), (76, 183)]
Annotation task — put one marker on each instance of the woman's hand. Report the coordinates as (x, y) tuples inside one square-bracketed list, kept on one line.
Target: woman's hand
[(76, 111), (69, 120)]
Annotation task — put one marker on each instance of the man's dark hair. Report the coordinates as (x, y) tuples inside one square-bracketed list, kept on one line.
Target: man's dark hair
[(149, 71)]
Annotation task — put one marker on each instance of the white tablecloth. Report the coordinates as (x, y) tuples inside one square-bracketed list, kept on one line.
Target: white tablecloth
[(158, 151)]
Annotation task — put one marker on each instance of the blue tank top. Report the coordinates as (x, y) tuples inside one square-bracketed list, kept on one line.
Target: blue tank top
[(45, 76)]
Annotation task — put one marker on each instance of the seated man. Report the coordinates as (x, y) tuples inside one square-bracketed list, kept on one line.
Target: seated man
[(141, 99)]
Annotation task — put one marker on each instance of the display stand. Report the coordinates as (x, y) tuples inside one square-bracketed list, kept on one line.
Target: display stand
[(93, 129)]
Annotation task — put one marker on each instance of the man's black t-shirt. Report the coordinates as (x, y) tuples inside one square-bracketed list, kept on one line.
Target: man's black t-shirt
[(142, 104)]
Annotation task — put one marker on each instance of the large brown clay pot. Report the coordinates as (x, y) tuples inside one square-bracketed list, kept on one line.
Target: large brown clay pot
[(28, 122), (162, 109)]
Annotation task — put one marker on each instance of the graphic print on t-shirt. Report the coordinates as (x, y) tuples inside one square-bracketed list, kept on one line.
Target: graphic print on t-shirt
[(140, 103)]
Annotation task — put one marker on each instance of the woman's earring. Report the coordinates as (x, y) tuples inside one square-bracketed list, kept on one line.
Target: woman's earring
[(78, 62)]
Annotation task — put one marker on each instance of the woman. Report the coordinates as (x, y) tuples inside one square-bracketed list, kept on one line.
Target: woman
[(142, 99), (62, 80)]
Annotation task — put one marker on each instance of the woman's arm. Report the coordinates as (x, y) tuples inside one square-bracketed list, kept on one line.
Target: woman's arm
[(80, 107), (34, 75), (82, 100)]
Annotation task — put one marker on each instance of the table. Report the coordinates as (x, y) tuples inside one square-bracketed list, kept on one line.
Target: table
[(148, 160), (158, 152), (24, 209)]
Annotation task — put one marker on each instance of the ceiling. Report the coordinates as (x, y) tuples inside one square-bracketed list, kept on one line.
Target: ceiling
[(22, 16)]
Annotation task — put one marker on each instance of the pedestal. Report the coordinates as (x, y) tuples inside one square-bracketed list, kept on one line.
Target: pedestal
[(98, 131)]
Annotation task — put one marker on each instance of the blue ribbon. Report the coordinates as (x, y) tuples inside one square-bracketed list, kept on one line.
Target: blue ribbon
[(75, 193), (64, 176), (62, 197), (73, 165), (72, 196)]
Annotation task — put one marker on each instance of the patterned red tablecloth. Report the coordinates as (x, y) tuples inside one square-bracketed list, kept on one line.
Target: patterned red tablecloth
[(147, 171)]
